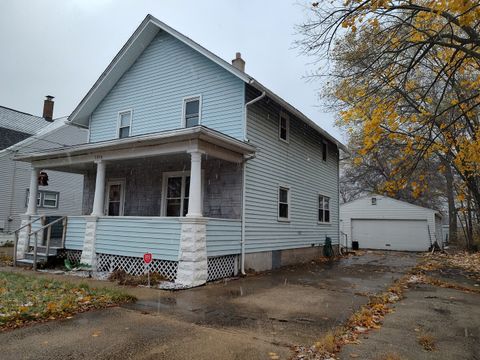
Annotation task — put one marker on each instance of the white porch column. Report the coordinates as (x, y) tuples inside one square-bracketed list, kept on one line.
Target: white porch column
[(33, 192), (195, 196), (99, 198), (192, 262)]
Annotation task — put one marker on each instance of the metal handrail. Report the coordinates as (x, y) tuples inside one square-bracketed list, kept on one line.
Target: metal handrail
[(47, 225), (24, 226), (49, 233), (15, 242)]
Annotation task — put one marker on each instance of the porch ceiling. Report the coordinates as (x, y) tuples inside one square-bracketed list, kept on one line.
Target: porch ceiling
[(199, 138)]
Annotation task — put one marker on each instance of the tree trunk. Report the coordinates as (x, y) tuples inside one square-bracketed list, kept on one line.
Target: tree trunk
[(452, 210)]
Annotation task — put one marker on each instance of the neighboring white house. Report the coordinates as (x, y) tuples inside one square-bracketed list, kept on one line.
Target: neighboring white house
[(22, 133), (380, 222)]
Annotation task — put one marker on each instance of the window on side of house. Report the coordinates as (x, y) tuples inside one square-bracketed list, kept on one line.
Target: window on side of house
[(45, 199), (177, 195), (124, 123), (324, 150), (284, 127), (50, 199), (191, 112), (283, 203), (323, 209), (374, 201)]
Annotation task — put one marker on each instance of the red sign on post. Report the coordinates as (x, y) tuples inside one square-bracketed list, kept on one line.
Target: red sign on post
[(147, 258)]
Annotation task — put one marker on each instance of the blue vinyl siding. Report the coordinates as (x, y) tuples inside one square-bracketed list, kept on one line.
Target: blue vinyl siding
[(75, 233), (137, 235), (154, 88), (223, 237), (299, 166)]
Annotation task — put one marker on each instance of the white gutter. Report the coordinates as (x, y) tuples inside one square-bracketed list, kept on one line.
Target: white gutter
[(262, 95), (244, 186)]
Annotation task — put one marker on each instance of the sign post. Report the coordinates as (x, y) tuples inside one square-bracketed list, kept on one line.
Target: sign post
[(147, 259)]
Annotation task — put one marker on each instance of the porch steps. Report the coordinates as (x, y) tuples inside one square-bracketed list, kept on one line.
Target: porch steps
[(42, 256)]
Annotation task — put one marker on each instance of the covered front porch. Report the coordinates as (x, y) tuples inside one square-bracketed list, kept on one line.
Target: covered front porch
[(176, 194)]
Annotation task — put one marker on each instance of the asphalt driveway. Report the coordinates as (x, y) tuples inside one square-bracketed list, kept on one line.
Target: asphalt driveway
[(256, 317)]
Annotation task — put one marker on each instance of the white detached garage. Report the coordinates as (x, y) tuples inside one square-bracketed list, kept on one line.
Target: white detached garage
[(380, 222)]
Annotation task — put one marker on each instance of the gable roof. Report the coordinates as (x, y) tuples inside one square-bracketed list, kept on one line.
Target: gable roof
[(400, 202), (133, 48), (20, 121)]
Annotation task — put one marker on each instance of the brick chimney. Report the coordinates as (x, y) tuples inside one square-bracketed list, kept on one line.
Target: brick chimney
[(48, 108), (238, 62)]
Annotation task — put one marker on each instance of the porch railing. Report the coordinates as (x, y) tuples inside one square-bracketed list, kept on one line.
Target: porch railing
[(16, 232), (48, 227)]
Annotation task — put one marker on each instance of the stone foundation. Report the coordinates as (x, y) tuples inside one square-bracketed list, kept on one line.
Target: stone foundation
[(22, 244), (192, 265), (88, 252)]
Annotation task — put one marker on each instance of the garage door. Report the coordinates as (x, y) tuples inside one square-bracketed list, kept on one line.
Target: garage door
[(402, 235)]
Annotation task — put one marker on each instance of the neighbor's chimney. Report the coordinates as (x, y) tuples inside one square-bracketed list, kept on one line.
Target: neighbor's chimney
[(238, 62), (48, 108)]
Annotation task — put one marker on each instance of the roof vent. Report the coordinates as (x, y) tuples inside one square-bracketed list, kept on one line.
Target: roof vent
[(238, 62), (48, 108)]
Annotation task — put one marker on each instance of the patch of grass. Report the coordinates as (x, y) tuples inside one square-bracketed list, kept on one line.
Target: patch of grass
[(427, 341), (6, 260), (328, 344), (25, 299)]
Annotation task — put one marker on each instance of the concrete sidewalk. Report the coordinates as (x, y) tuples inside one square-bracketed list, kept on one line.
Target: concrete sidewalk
[(247, 318)]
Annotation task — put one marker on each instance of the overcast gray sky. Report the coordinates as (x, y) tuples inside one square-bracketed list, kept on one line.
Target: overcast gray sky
[(60, 48)]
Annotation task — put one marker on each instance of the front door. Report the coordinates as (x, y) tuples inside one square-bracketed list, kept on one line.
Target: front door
[(115, 198)]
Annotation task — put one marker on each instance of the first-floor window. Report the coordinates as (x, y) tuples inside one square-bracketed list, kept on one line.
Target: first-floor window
[(45, 199), (323, 209), (177, 194), (283, 203)]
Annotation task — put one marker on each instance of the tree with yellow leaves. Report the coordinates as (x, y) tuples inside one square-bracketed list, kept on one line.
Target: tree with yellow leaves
[(406, 72)]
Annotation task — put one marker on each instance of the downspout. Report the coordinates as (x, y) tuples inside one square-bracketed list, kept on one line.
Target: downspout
[(244, 169)]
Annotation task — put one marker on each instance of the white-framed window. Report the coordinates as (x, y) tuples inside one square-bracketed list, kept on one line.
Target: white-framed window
[(176, 192), (283, 203), (374, 201), (45, 199), (124, 123), (115, 197), (324, 150), (323, 209), (192, 111), (284, 127)]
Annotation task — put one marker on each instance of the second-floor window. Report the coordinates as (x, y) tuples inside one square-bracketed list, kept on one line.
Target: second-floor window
[(284, 127), (124, 123), (191, 111)]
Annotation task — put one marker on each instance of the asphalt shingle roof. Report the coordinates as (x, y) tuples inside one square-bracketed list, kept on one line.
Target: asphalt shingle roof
[(20, 121), (9, 137)]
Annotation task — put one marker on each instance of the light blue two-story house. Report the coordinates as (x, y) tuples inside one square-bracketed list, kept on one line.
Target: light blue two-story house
[(193, 160)]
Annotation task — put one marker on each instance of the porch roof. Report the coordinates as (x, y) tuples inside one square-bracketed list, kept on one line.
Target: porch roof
[(198, 138)]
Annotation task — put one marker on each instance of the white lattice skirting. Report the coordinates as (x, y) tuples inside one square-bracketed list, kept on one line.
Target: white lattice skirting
[(222, 267), (73, 256), (135, 266)]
